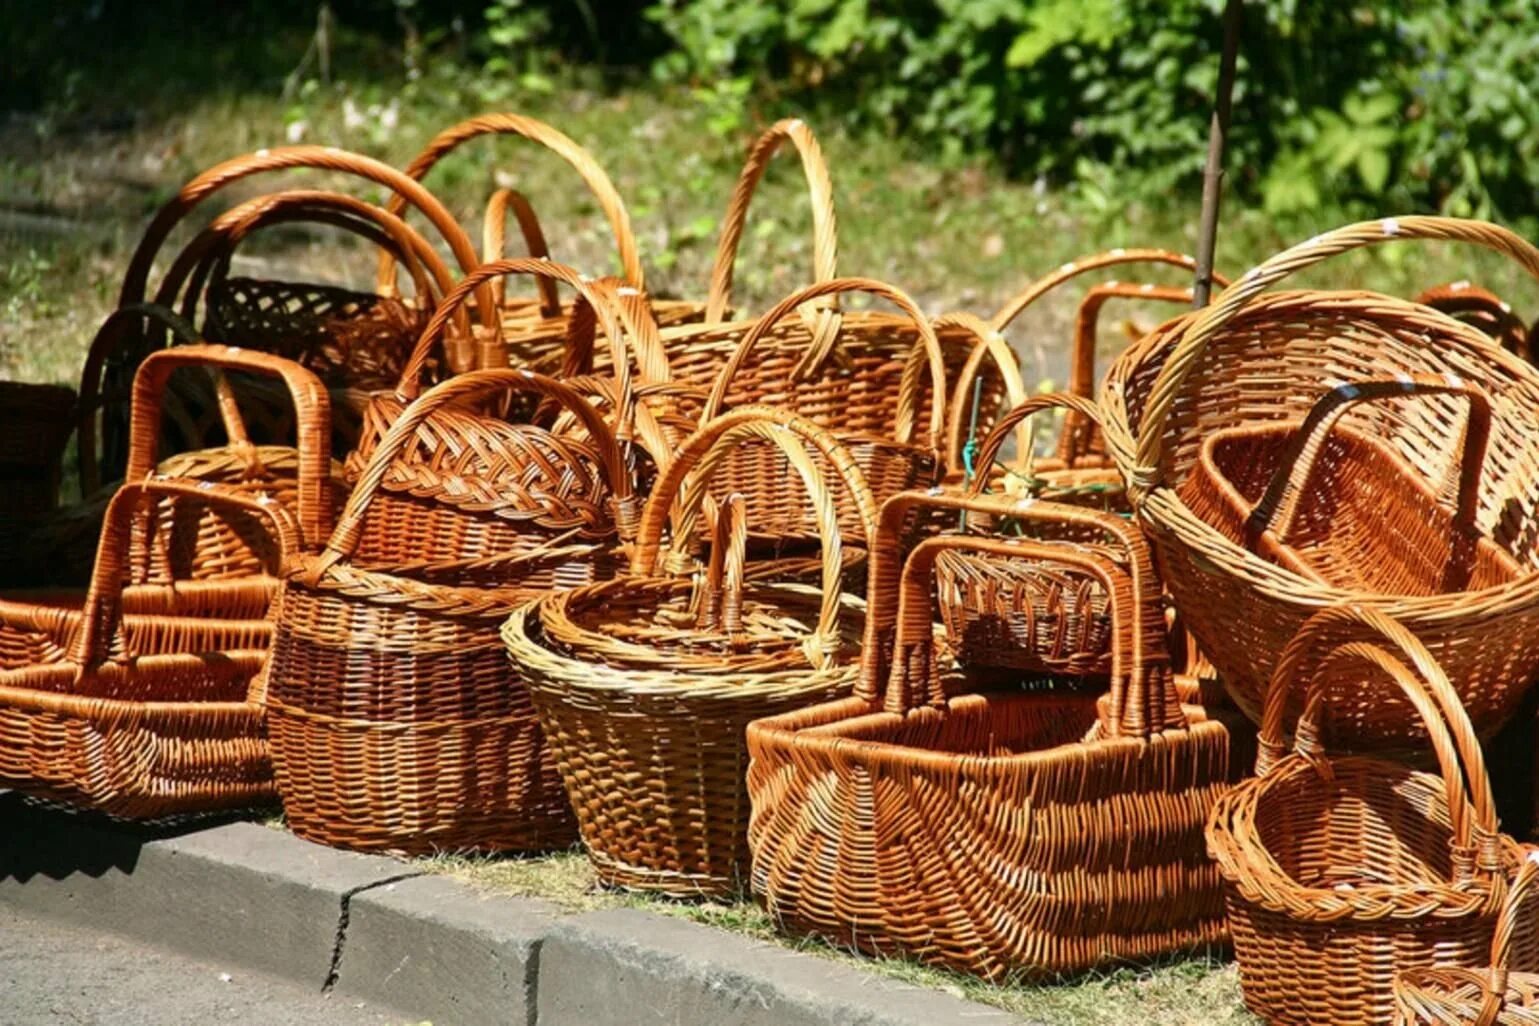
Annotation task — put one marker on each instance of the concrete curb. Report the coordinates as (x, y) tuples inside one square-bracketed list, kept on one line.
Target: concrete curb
[(377, 930)]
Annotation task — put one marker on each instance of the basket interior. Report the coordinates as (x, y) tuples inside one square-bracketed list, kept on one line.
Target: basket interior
[(991, 724)]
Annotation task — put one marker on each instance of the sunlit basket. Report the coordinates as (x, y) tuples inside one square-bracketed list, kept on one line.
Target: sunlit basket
[(114, 356), (1341, 871), (1256, 359), (146, 701), (1023, 831), (1483, 309), (645, 684), (396, 721)]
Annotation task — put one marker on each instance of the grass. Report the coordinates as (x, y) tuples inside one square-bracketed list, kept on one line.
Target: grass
[(1178, 992)]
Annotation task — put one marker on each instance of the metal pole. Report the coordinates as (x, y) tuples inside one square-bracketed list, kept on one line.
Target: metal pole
[(1213, 173)]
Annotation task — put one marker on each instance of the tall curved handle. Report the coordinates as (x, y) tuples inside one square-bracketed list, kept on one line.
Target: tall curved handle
[(104, 597), (707, 450), (1203, 326), (465, 388), (1396, 652), (1275, 512), (494, 242), (1018, 303), (1015, 420), (989, 345), (535, 131), (825, 229), (312, 420), (1147, 701), (913, 370)]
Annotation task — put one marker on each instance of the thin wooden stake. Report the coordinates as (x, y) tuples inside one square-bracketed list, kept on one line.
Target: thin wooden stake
[(1213, 174)]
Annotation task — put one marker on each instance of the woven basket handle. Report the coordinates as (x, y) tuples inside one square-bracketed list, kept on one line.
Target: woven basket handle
[(706, 450), (103, 609), (538, 132), (312, 419), (494, 243), (1018, 303), (721, 605), (988, 345), (638, 320), (925, 356), (207, 258), (1399, 654), (1197, 331), (1015, 420), (821, 320), (656, 437), (1507, 924), (1483, 308), (465, 388), (1279, 504), (1143, 697)]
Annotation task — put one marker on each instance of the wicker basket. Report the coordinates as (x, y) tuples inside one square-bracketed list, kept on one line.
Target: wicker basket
[(1341, 871), (1080, 458), (146, 701), (396, 722), (645, 684), (1342, 508), (1478, 997), (1255, 359), (1483, 309), (113, 359), (1003, 833), (534, 329)]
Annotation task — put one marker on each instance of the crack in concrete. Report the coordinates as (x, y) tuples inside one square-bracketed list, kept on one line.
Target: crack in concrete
[(344, 916)]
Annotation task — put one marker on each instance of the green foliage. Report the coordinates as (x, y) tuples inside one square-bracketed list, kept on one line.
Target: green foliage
[(1424, 104)]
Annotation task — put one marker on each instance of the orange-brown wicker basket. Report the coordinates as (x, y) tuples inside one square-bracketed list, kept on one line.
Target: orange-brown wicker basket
[(1341, 507), (645, 684), (1023, 831), (1483, 309), (1341, 871), (535, 330), (113, 359), (147, 700), (396, 721), (1478, 997), (1253, 358)]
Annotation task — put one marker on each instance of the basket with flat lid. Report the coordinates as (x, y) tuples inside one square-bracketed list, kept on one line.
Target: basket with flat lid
[(1258, 358), (644, 684), (1342, 870)]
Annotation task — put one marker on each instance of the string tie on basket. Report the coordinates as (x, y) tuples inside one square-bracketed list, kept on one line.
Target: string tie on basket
[(820, 651)]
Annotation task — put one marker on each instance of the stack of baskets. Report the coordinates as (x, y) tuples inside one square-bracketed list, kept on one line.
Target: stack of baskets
[(585, 574)]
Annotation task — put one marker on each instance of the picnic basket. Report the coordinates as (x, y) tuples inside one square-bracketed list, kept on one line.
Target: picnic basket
[(1253, 358), (1341, 870), (144, 702), (1024, 831), (533, 329), (644, 684), (113, 358), (396, 721), (1341, 507), (1459, 996)]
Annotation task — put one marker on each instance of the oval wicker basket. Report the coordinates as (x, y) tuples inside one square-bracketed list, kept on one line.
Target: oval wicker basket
[(396, 721), (1254, 359), (1342, 870), (1478, 997), (645, 684), (144, 701), (1025, 831)]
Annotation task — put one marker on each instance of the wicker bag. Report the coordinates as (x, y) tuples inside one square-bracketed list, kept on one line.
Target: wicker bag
[(1341, 871), (1483, 309), (112, 360), (396, 723), (645, 684), (1080, 458), (1341, 507), (533, 330), (137, 704), (1024, 831), (1478, 997), (1253, 359)]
